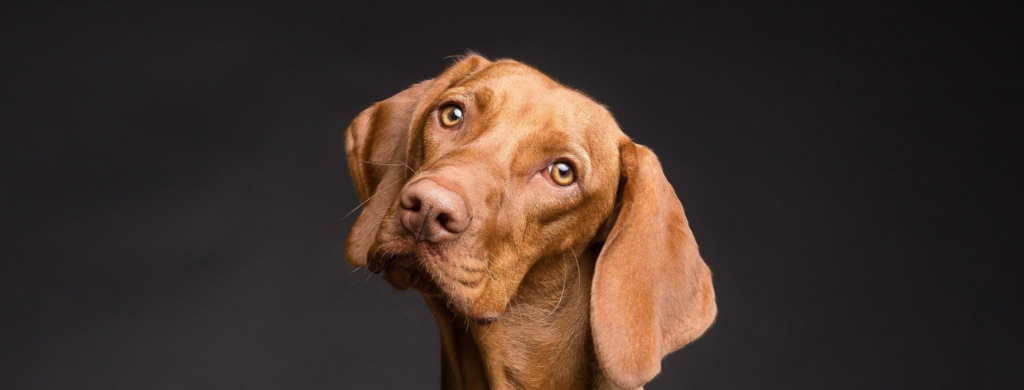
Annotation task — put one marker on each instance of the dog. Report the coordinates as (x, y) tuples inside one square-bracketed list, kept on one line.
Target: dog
[(518, 207)]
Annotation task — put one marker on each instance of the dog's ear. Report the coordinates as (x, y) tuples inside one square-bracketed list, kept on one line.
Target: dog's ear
[(652, 292), (383, 147)]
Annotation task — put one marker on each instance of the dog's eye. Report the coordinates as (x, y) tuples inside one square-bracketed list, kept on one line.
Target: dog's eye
[(562, 174), (451, 116)]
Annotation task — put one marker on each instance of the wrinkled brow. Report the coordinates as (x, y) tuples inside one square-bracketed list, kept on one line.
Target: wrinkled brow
[(479, 98), (547, 145), (484, 98)]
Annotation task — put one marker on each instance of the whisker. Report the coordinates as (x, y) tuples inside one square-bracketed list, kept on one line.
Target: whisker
[(418, 275), (371, 197), (519, 311), (579, 276), (389, 164), (485, 332), (559, 299), (382, 220), (487, 264), (488, 261), (407, 166)]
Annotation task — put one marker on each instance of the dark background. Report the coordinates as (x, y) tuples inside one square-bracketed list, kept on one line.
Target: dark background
[(174, 182)]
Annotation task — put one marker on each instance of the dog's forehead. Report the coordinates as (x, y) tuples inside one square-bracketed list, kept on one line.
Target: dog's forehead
[(508, 72), (510, 85)]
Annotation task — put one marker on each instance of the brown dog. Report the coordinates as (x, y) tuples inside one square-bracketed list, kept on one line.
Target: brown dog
[(518, 206)]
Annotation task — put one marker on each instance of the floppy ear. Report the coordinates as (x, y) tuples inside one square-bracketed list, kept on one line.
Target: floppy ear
[(378, 144), (651, 292)]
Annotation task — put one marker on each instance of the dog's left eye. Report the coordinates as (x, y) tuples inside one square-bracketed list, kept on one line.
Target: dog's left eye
[(451, 116), (562, 174)]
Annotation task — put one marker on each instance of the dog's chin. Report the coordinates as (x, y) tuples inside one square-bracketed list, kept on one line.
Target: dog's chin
[(441, 273)]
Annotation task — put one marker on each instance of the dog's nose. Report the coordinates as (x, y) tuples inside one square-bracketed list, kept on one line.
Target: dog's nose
[(433, 213)]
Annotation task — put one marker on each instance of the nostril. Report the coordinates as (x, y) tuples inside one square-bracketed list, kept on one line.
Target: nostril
[(442, 219), (411, 203)]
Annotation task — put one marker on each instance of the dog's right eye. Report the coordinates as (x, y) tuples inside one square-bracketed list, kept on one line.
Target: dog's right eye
[(562, 174), (451, 116)]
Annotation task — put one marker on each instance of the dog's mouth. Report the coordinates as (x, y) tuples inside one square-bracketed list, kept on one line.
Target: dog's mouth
[(403, 270), (444, 272)]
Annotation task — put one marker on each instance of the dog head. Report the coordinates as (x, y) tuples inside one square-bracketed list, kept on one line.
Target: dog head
[(469, 179)]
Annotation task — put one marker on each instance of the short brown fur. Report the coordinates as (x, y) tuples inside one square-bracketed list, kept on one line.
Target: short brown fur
[(587, 286)]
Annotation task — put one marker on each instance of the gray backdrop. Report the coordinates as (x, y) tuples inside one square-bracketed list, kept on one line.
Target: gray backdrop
[(174, 184)]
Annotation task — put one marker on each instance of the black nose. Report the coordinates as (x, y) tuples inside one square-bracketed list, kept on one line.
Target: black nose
[(433, 213)]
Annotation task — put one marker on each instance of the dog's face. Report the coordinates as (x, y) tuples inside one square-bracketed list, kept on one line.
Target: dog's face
[(510, 167), (473, 177)]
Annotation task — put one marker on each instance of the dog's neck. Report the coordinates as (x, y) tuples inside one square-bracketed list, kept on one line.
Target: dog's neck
[(542, 340)]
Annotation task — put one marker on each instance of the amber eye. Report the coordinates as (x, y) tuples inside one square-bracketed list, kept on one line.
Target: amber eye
[(451, 116), (562, 174)]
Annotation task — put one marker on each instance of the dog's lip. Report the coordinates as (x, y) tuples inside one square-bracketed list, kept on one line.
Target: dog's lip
[(417, 265), (407, 272), (385, 256), (487, 318)]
